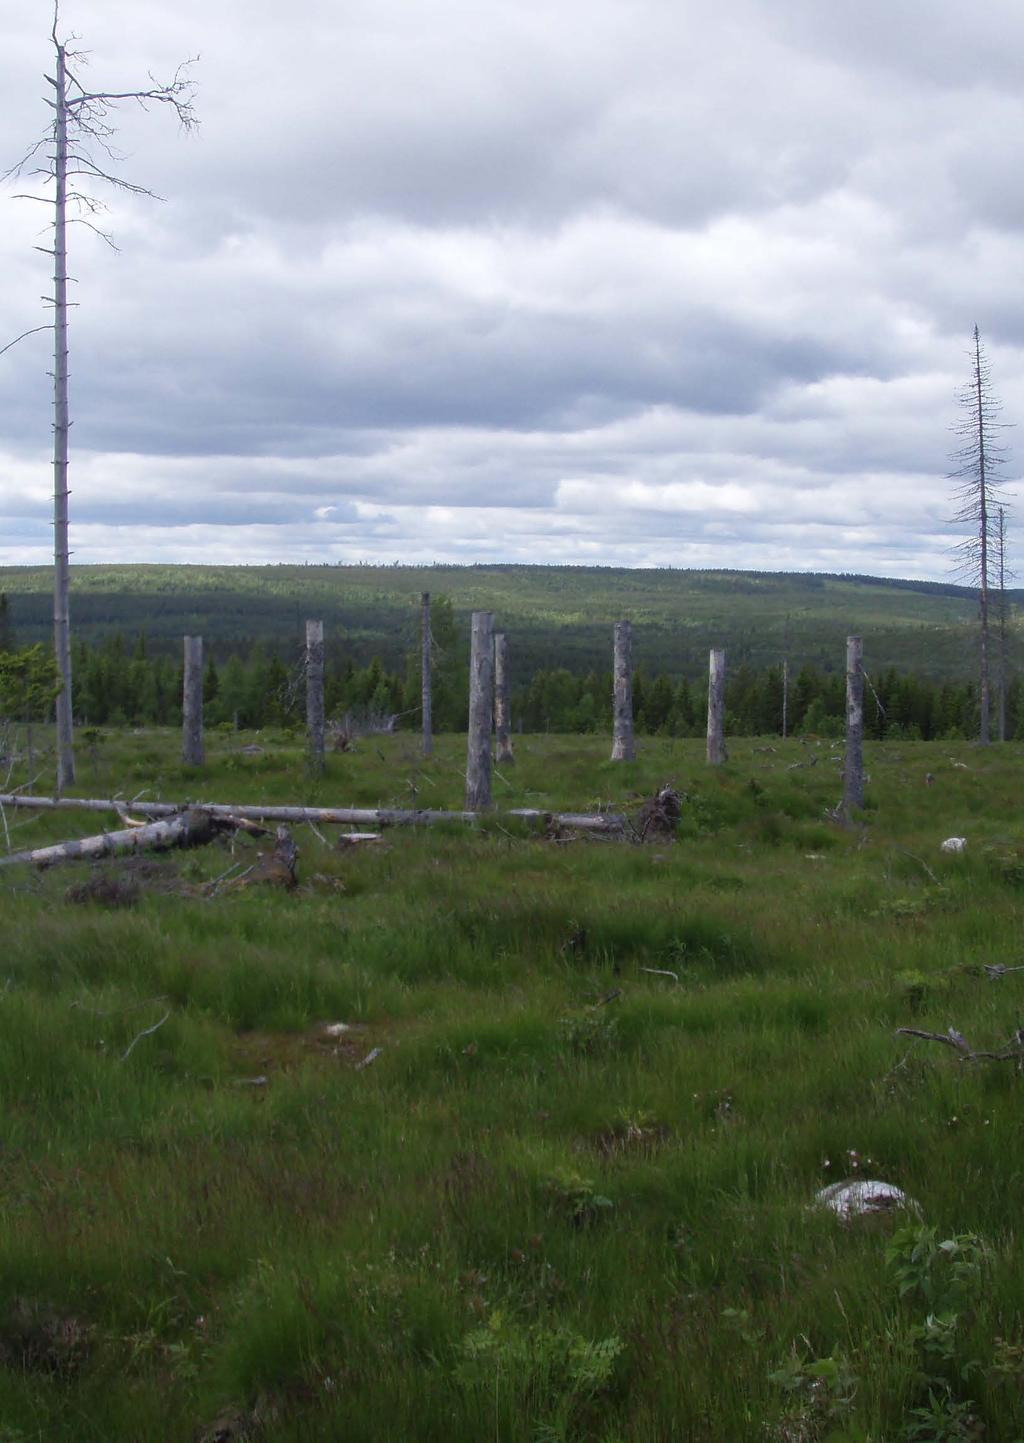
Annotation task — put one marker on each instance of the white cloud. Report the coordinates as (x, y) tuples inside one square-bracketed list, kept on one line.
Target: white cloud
[(631, 284)]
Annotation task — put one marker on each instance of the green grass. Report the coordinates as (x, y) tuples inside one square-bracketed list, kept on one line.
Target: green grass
[(570, 1198)]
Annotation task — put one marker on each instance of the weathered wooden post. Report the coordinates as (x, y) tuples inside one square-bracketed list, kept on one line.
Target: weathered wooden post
[(315, 697), (192, 703), (502, 706), (481, 712), (716, 709), (623, 749), (428, 695), (853, 769)]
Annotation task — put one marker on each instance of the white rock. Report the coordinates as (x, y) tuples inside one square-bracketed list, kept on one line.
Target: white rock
[(861, 1196), (954, 844), (336, 1029)]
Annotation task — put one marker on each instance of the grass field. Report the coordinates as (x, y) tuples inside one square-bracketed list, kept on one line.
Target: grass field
[(570, 1199)]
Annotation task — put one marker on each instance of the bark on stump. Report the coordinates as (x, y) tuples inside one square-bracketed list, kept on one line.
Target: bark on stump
[(502, 709), (315, 696), (481, 712), (428, 696), (622, 705), (716, 709), (192, 703), (853, 769)]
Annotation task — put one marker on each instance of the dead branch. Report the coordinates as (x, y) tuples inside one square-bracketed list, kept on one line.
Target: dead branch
[(1009, 1052), (659, 816), (33, 332), (920, 862), (609, 997), (147, 1032)]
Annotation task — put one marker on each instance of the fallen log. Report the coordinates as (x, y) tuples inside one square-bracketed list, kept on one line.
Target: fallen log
[(190, 828), (606, 823)]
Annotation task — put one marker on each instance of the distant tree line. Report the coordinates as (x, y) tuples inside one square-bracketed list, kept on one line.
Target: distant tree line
[(121, 682)]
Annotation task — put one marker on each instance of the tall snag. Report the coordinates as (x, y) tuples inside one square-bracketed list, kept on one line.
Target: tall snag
[(623, 749), (716, 752), (81, 129), (853, 765), (976, 495), (426, 679), (481, 712), (315, 697)]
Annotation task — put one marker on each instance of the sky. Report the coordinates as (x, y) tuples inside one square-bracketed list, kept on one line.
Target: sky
[(622, 282)]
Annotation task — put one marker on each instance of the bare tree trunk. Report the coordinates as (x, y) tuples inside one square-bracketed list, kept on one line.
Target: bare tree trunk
[(984, 727), (716, 709), (79, 117), (315, 696), (192, 703), (853, 770), (785, 699), (481, 712), (1003, 669), (189, 828), (502, 710), (428, 695), (61, 426), (601, 823), (623, 749)]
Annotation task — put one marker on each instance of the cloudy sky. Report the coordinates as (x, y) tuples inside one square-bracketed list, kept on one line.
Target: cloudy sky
[(629, 282)]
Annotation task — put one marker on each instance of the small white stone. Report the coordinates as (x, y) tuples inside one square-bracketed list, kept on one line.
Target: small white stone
[(336, 1029), (861, 1196), (954, 844)]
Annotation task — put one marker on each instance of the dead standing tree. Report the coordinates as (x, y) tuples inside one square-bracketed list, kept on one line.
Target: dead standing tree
[(853, 766), (425, 676), (976, 495), (81, 131), (192, 750), (315, 697), (481, 713), (623, 749), (716, 752)]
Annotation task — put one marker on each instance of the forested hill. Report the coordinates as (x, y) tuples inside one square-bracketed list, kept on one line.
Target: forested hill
[(557, 615)]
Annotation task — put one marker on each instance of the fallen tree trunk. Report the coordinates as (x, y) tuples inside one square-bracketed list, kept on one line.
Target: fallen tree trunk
[(190, 828), (608, 824)]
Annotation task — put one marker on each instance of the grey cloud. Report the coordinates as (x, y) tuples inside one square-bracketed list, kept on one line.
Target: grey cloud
[(429, 267)]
